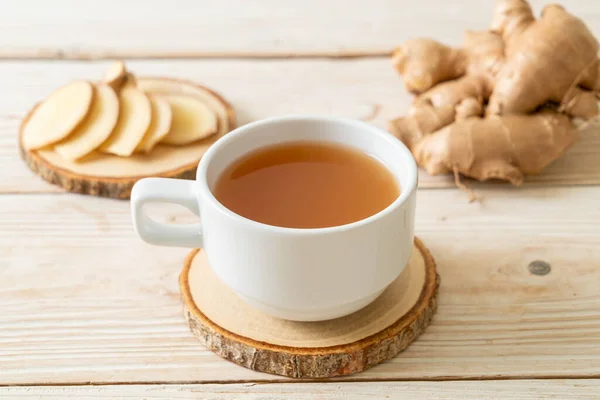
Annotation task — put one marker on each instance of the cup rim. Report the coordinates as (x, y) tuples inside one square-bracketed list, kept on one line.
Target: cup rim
[(406, 190)]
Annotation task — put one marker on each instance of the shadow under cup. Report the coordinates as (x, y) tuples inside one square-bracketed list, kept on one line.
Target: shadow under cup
[(308, 274)]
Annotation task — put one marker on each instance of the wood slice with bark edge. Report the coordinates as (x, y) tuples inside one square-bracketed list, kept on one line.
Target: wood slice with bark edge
[(89, 177), (345, 357)]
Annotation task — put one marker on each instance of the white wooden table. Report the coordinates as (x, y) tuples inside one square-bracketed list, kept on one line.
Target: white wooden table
[(83, 302)]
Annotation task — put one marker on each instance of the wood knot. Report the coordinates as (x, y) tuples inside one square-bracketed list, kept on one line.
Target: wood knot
[(539, 267)]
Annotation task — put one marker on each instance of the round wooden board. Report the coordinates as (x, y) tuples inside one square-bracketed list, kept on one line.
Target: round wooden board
[(235, 331), (112, 176)]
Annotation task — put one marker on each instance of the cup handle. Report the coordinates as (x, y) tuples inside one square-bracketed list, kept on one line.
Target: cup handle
[(166, 190)]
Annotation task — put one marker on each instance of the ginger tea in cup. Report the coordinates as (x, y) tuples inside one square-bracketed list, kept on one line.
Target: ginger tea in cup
[(306, 184), (305, 218)]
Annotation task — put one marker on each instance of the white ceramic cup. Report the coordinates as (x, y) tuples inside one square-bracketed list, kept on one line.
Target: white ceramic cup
[(296, 274)]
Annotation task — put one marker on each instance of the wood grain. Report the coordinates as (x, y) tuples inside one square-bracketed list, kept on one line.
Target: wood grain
[(570, 389), (341, 346), (70, 29), (84, 300), (365, 89)]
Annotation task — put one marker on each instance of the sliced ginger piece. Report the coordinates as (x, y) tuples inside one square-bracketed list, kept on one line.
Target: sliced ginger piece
[(135, 116), (130, 80), (58, 115), (173, 86), (192, 120), (96, 127), (160, 125), (117, 76), (114, 76)]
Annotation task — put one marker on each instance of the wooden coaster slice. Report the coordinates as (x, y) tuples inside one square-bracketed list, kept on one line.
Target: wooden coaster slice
[(108, 175), (237, 332)]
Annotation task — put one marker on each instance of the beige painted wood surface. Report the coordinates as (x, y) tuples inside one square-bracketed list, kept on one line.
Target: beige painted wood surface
[(570, 389), (365, 89), (84, 300), (191, 28)]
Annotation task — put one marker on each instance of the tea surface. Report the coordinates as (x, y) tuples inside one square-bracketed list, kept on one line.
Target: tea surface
[(306, 185)]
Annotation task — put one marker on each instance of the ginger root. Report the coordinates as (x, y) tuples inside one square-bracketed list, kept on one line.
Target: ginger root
[(497, 147), (502, 105), (472, 77), (546, 59), (444, 63)]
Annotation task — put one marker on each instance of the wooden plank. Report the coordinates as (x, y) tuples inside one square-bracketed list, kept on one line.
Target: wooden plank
[(365, 89), (261, 28), (82, 299), (570, 389)]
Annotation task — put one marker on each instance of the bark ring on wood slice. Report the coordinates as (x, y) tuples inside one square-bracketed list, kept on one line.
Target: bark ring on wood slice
[(233, 330), (107, 175)]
